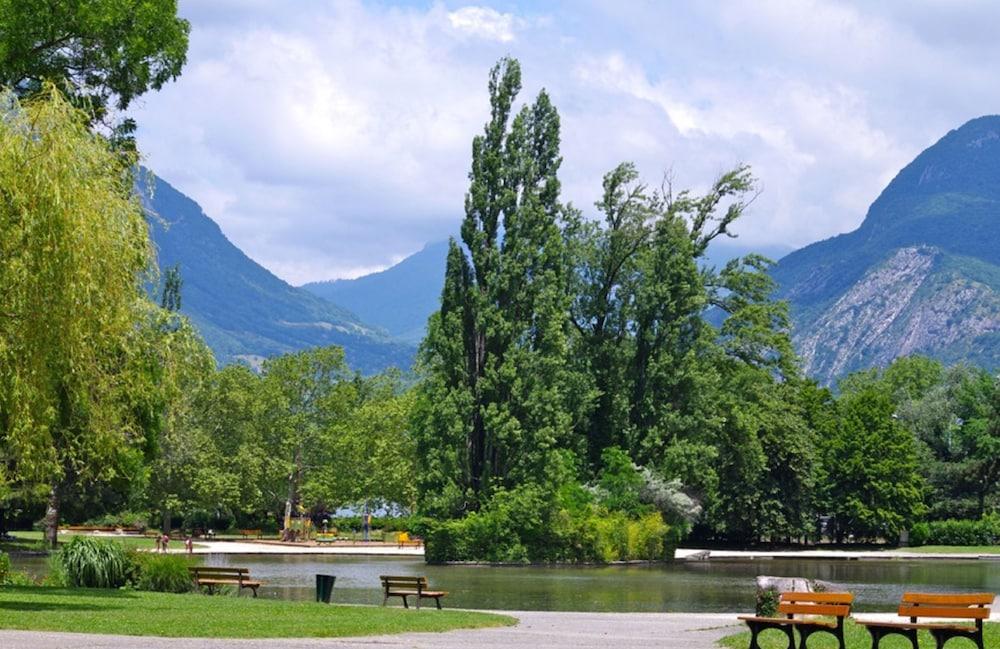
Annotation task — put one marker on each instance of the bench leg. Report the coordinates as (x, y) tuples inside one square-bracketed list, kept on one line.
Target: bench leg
[(437, 600), (878, 633), (405, 605)]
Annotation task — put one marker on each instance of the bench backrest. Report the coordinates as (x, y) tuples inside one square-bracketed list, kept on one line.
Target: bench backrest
[(210, 572), (824, 604), (968, 606), (389, 582)]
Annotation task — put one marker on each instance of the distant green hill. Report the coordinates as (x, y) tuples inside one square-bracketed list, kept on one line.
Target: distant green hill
[(921, 274), (243, 311), (398, 299)]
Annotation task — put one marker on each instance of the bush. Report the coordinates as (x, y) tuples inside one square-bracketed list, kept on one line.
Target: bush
[(985, 531), (95, 563), (163, 573), (522, 526), (133, 520)]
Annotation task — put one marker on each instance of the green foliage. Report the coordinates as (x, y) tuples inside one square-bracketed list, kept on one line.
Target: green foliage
[(767, 602), (873, 487), (985, 531), (76, 248), (499, 396), (95, 563), (164, 573), (107, 52)]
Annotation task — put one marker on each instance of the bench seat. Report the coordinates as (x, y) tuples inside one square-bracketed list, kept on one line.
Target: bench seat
[(817, 606), (408, 586), (971, 607), (210, 577)]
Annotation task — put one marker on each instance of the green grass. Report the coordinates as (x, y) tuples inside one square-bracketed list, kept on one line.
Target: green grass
[(203, 616), (31, 540), (857, 637), (954, 549)]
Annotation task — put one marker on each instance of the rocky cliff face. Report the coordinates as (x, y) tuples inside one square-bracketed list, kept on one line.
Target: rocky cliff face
[(921, 274), (913, 303)]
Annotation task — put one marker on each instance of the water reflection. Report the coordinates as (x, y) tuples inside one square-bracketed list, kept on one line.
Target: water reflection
[(705, 586)]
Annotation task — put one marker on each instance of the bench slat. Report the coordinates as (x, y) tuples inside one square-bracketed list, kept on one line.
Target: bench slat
[(959, 599), (833, 610), (944, 611), (819, 598)]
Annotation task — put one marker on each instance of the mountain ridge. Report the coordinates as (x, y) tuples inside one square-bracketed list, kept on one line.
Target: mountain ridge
[(940, 212), (244, 312)]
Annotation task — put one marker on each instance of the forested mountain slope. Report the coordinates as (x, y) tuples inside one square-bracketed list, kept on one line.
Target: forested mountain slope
[(243, 310)]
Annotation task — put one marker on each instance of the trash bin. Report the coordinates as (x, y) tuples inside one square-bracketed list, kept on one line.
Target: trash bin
[(324, 587)]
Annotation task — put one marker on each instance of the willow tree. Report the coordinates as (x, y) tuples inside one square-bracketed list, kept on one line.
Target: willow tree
[(74, 245), (498, 399)]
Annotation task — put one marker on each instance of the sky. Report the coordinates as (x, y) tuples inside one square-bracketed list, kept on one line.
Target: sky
[(331, 138)]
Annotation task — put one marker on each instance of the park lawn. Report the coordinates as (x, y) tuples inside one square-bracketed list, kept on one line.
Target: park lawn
[(32, 540), (857, 637), (117, 612), (955, 549)]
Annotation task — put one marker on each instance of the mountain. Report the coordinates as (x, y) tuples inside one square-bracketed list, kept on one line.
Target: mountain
[(920, 275), (398, 299), (244, 312)]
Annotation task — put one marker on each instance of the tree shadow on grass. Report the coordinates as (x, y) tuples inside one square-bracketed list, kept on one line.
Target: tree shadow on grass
[(44, 591), (53, 606)]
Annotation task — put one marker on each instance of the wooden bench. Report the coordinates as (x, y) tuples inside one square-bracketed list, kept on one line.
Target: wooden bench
[(210, 577), (813, 605), (248, 533), (973, 607), (405, 587)]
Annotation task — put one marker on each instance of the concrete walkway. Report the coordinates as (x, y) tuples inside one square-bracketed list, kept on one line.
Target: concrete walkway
[(540, 630), (243, 547), (687, 553)]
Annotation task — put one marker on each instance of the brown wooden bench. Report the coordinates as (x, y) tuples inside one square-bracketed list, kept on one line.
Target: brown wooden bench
[(972, 607), (813, 605), (210, 577), (405, 587), (248, 533)]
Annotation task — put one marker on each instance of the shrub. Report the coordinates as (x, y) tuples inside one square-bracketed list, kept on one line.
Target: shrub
[(985, 531), (164, 573), (126, 519), (767, 602), (647, 538), (95, 563), (56, 577)]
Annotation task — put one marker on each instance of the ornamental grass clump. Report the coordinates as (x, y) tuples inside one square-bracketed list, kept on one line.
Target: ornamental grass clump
[(95, 563), (163, 573)]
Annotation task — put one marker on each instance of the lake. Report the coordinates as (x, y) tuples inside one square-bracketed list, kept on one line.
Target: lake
[(695, 586)]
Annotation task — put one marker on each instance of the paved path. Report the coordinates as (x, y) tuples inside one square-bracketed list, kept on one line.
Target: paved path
[(242, 547), (536, 629)]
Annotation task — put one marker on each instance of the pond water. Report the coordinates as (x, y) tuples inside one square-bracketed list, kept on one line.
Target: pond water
[(696, 586)]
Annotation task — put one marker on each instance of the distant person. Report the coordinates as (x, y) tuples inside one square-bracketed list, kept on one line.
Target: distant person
[(188, 544), (165, 542), (159, 543), (367, 525)]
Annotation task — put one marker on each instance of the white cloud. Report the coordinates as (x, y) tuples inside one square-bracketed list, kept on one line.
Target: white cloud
[(332, 139), (483, 22)]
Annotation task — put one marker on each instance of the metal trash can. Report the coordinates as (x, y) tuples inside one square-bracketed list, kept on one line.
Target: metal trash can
[(324, 587)]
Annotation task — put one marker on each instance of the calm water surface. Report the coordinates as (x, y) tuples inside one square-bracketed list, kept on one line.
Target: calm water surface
[(703, 586)]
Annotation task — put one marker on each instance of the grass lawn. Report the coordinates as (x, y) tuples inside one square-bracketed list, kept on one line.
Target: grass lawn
[(138, 613), (954, 549), (857, 638), (31, 540)]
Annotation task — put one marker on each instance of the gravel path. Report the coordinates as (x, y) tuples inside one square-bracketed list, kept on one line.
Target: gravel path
[(536, 629)]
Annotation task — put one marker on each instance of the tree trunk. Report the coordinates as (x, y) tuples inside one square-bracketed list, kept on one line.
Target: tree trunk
[(293, 488), (51, 520), (166, 520)]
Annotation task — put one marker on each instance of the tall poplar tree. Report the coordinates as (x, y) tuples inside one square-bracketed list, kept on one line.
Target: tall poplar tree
[(498, 396)]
